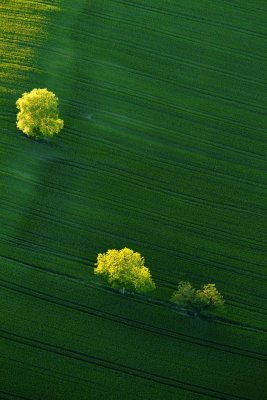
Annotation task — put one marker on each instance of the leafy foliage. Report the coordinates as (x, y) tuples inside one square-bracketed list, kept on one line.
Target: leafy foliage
[(198, 301), (185, 296), (124, 269), (38, 114)]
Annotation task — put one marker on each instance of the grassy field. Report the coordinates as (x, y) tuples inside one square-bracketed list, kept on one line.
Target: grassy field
[(163, 151)]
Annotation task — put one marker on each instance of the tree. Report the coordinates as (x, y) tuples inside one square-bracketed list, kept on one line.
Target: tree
[(201, 301), (38, 114), (124, 269), (210, 298), (185, 296)]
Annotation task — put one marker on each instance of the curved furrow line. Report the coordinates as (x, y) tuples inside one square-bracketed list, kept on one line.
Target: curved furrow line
[(190, 199), (209, 231), (251, 10), (140, 179), (160, 160), (192, 167), (12, 396), (50, 372), (115, 366), (95, 286), (80, 227), (193, 18), (54, 374), (171, 110), (193, 89), (42, 249), (130, 322), (48, 271), (164, 282), (152, 246), (233, 301), (240, 77), (170, 222), (200, 260), (181, 255), (137, 182), (161, 282), (155, 100), (187, 62), (135, 154), (191, 227), (147, 185), (223, 48)]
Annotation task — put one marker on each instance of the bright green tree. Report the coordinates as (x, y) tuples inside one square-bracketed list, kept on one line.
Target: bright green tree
[(38, 114), (124, 269), (201, 301)]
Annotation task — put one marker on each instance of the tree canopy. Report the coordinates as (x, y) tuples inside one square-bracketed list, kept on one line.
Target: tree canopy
[(198, 301), (124, 269), (38, 114)]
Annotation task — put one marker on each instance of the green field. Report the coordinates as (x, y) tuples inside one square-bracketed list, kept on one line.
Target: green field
[(164, 151)]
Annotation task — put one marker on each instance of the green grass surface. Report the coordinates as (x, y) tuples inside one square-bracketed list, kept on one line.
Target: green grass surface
[(163, 151)]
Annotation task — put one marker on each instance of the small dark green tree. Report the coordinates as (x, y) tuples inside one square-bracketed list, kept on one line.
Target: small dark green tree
[(201, 301)]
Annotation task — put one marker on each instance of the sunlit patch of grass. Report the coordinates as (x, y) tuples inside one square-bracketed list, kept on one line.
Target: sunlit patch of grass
[(23, 28)]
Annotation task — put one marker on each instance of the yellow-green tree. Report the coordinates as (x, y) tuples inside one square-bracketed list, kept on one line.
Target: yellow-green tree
[(201, 301), (210, 297), (124, 269), (38, 114)]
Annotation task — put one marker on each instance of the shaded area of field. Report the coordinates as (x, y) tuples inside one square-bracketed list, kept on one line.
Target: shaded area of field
[(163, 151)]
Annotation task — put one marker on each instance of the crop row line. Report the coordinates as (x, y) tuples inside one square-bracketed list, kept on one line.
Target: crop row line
[(130, 322), (193, 18), (223, 47), (115, 366)]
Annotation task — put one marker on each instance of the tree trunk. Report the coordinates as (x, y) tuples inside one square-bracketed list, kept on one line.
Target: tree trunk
[(123, 290)]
